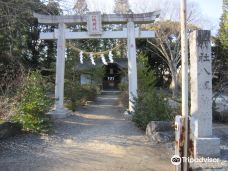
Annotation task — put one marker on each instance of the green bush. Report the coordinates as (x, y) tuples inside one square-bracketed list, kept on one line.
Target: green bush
[(77, 95), (150, 106), (146, 78), (32, 104), (90, 92), (97, 74), (73, 94)]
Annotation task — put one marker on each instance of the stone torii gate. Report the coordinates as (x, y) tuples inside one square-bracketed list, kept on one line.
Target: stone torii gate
[(94, 21)]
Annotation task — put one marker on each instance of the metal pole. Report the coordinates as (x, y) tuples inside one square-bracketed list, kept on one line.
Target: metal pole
[(184, 66)]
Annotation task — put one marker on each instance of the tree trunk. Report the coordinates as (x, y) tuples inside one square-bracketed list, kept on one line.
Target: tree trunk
[(174, 82)]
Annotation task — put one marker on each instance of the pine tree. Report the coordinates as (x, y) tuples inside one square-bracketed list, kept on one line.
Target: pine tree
[(220, 63), (223, 40), (223, 30)]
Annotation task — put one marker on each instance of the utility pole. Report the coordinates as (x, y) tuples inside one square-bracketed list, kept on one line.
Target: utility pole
[(184, 67)]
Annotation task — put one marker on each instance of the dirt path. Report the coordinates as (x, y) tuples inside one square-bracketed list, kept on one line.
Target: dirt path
[(95, 138)]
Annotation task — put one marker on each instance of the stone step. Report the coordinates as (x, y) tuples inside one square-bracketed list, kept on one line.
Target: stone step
[(106, 92)]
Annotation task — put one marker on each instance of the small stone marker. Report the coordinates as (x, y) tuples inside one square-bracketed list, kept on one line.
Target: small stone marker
[(201, 95)]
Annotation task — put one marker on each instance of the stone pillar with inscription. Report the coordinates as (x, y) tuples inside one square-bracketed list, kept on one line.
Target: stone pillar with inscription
[(205, 144)]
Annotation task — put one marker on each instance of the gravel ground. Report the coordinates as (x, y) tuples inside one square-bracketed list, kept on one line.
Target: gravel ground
[(95, 138)]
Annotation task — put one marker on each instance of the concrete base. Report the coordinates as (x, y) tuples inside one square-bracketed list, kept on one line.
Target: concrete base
[(59, 113), (207, 147)]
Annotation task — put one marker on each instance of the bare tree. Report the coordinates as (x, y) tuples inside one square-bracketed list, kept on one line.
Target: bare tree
[(121, 7), (11, 78), (81, 7), (166, 45)]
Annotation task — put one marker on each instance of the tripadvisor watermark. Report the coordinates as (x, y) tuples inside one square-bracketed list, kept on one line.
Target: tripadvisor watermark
[(176, 160)]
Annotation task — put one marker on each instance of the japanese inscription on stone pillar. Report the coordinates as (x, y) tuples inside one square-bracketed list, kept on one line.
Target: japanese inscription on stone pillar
[(201, 81), (94, 24), (205, 145)]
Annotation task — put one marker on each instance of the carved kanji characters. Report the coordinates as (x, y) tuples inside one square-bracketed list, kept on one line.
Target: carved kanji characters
[(204, 57), (208, 73)]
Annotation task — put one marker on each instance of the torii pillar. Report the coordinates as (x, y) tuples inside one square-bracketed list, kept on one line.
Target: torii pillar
[(59, 110), (132, 65), (60, 63)]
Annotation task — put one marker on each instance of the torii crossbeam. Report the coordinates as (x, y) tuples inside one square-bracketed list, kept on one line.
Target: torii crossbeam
[(94, 21)]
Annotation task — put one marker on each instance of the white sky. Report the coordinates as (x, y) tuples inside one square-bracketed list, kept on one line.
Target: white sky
[(209, 10), (212, 10)]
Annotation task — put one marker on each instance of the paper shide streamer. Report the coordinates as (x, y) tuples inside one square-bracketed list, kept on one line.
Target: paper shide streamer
[(92, 59), (81, 57), (103, 59), (110, 55)]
